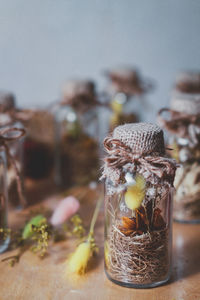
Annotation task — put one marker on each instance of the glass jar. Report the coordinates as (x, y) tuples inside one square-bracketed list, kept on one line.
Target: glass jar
[(4, 241), (138, 204), (76, 135), (126, 91), (39, 146), (183, 127), (16, 150), (8, 120)]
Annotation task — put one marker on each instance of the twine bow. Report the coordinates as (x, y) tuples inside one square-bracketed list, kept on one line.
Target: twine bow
[(182, 124), (9, 135), (120, 155)]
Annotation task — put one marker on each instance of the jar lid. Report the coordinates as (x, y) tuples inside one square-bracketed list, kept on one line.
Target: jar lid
[(142, 138), (78, 88), (7, 101), (127, 80), (185, 103), (188, 82)]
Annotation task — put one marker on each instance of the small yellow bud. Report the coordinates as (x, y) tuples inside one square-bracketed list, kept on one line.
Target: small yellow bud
[(135, 193), (106, 253), (78, 261), (116, 107)]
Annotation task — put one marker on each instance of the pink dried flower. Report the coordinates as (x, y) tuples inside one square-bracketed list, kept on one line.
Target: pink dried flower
[(65, 209)]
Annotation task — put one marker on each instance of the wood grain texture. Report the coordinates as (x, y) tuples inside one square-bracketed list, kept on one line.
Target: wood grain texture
[(43, 279)]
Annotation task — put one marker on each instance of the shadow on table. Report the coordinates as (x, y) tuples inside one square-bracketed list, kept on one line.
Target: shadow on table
[(186, 251)]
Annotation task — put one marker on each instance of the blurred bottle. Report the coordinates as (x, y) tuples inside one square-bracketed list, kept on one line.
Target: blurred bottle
[(76, 134), (182, 123), (8, 119), (4, 241), (126, 90), (39, 145)]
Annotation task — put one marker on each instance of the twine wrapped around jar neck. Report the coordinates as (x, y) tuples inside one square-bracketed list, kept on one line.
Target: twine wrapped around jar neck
[(128, 81), (9, 135), (138, 148), (184, 118)]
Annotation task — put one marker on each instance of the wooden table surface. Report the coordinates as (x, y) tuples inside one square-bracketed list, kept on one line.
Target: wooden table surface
[(41, 279)]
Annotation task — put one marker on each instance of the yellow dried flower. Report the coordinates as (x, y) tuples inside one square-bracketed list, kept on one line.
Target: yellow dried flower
[(135, 193), (106, 253), (175, 151), (117, 107), (78, 261)]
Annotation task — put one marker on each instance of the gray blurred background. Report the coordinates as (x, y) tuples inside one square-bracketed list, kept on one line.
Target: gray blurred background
[(45, 42)]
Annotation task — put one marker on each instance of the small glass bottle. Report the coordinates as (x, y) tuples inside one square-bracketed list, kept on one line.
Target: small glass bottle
[(183, 128), (8, 120), (39, 146), (138, 202), (126, 90), (4, 241), (76, 134)]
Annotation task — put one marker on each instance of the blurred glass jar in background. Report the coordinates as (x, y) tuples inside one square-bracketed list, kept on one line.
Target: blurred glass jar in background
[(4, 241), (138, 202), (8, 119), (76, 134), (39, 145), (182, 122), (126, 90)]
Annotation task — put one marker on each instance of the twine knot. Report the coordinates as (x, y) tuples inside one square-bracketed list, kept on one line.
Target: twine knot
[(120, 155)]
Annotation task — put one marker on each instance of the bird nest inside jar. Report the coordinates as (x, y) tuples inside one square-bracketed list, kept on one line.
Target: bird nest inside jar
[(136, 250)]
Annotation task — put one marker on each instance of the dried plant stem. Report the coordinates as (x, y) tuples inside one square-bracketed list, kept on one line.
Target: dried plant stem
[(95, 215)]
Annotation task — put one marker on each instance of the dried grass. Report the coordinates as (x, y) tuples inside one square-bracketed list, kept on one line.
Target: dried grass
[(138, 259)]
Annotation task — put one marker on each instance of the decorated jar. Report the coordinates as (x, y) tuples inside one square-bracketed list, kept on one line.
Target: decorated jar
[(9, 120), (76, 134), (38, 145), (182, 123), (138, 202), (126, 90), (4, 241)]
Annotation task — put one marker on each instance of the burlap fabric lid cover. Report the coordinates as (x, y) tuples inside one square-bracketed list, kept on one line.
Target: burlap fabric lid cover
[(183, 103), (142, 138), (188, 82), (126, 80), (125, 74), (78, 88), (7, 101)]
